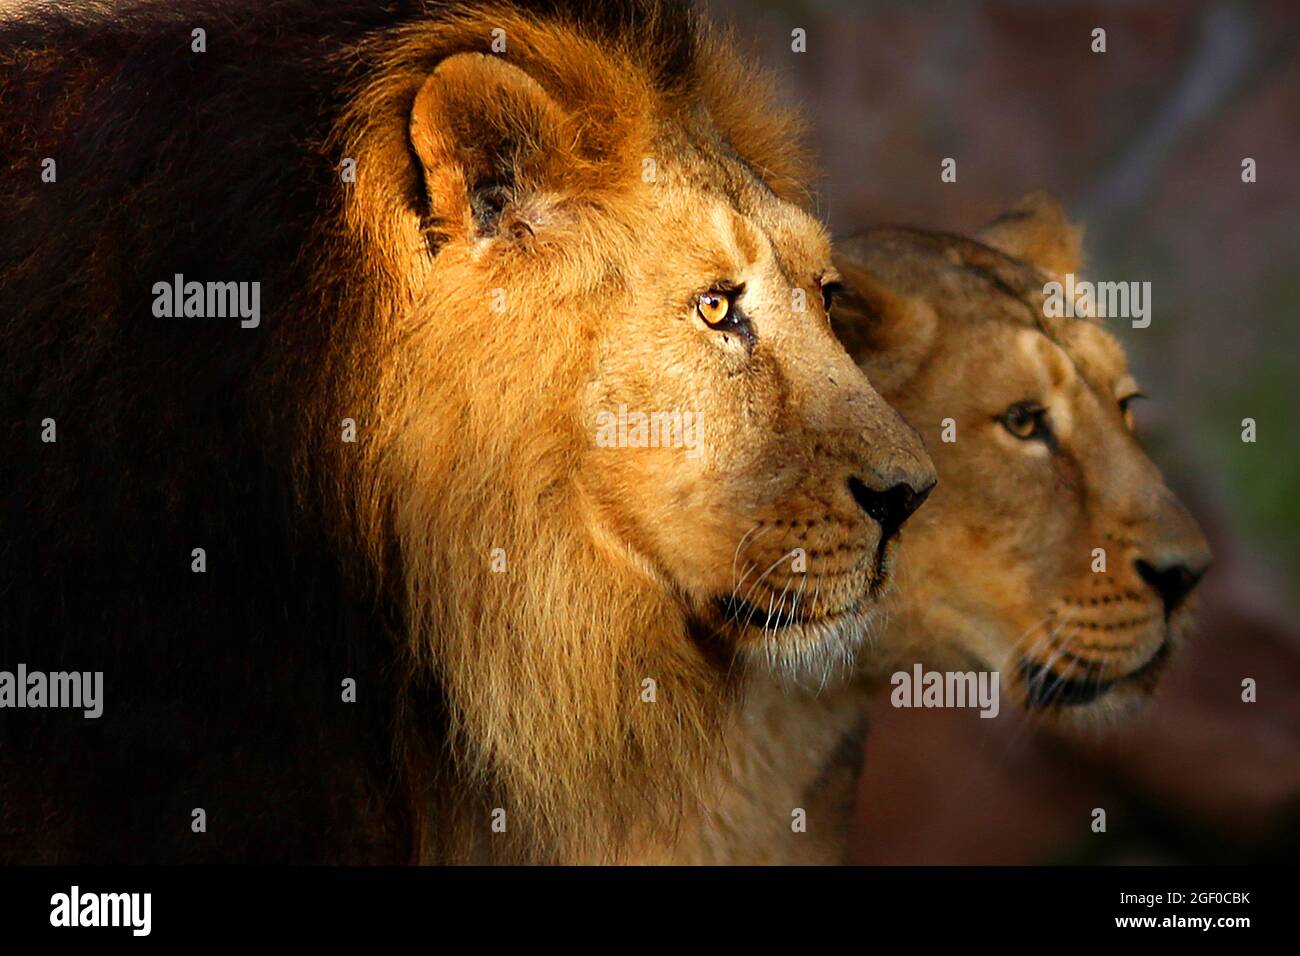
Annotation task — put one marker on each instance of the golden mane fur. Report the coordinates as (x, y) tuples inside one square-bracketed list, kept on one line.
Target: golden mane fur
[(543, 667), (521, 245)]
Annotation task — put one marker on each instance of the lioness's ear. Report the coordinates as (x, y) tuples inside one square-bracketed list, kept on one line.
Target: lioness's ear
[(885, 331), (1036, 230), (486, 135)]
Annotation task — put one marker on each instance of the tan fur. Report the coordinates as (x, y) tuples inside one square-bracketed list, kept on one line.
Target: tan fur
[(522, 250), (995, 570), (485, 421)]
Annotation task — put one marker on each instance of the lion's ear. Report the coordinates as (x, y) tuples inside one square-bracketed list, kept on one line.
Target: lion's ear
[(486, 135), (886, 332), (1036, 230)]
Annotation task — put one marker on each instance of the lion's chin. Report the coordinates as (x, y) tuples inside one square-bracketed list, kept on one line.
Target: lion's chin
[(807, 654)]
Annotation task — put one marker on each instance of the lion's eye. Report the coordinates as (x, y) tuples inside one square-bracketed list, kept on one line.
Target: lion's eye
[(719, 309), (713, 308), (830, 290), (1126, 411), (1027, 421)]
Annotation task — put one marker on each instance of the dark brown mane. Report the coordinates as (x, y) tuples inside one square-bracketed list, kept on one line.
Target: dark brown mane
[(224, 687)]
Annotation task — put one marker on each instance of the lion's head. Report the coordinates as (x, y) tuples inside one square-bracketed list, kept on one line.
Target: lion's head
[(618, 448), (541, 402), (1052, 550)]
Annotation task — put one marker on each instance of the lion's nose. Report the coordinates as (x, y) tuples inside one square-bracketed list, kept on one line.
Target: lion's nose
[(1173, 581), (892, 505)]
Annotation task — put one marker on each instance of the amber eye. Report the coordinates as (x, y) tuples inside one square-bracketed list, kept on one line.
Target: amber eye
[(713, 308), (720, 310), (1027, 421)]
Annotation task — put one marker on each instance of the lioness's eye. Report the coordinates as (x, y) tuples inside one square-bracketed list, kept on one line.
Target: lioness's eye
[(1027, 421)]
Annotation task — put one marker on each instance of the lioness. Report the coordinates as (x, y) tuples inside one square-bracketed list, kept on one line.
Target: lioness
[(1051, 551)]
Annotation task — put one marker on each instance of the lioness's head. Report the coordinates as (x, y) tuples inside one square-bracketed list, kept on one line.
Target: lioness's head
[(1052, 550), (623, 450)]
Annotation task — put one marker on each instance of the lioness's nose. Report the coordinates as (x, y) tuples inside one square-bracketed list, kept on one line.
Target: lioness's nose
[(1177, 555), (892, 505), (1172, 581)]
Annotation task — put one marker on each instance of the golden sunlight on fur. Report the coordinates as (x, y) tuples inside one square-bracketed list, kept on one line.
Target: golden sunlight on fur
[(625, 564), (607, 219), (998, 571)]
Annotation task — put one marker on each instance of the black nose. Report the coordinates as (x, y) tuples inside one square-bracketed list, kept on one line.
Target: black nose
[(891, 507), (1172, 582)]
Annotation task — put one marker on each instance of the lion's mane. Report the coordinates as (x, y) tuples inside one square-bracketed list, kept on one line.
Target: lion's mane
[(477, 689)]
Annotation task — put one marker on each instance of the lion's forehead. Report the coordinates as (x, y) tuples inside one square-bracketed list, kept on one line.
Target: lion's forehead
[(798, 240), (733, 207)]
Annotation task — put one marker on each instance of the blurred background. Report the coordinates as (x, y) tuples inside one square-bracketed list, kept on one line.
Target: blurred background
[(1144, 144)]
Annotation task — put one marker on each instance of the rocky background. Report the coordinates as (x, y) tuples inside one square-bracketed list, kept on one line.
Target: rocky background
[(1144, 144)]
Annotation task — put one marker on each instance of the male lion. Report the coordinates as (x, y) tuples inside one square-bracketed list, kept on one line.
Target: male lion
[(999, 571), (363, 579)]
